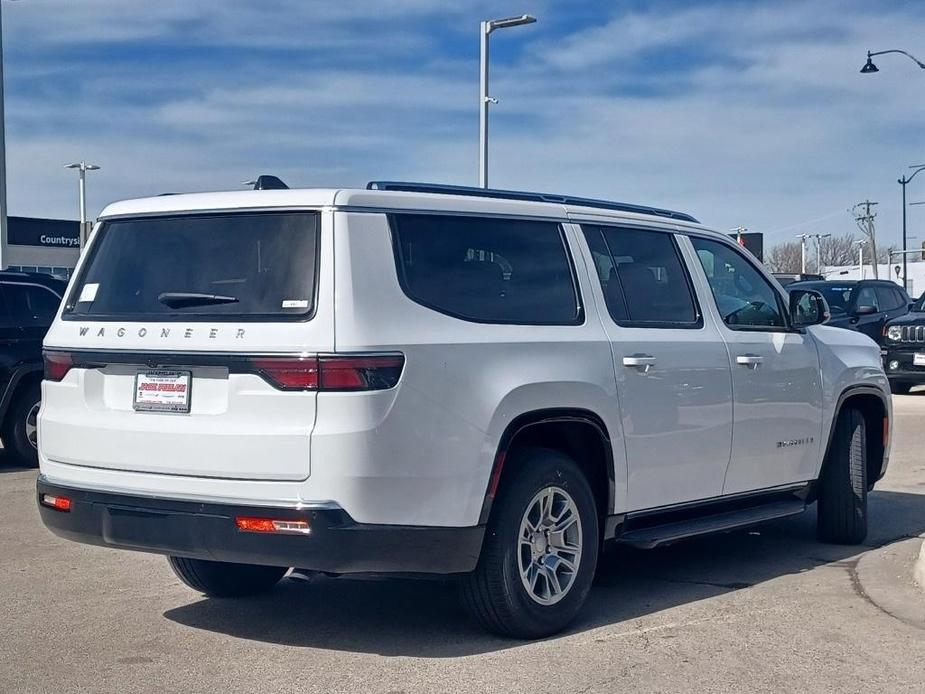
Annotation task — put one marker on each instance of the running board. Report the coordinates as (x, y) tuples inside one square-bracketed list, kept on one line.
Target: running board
[(656, 535)]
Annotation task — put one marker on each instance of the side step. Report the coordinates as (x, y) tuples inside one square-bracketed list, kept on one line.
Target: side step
[(653, 536)]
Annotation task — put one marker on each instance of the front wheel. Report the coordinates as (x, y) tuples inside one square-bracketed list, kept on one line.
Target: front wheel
[(218, 579), (540, 549), (20, 428), (842, 509)]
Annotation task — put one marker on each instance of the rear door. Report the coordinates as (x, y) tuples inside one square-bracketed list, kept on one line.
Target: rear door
[(184, 345), (671, 367), (776, 382), (893, 302)]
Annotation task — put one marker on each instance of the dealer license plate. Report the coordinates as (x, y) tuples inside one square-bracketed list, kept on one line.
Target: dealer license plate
[(918, 360), (162, 391)]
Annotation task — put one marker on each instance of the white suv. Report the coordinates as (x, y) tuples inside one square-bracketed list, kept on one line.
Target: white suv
[(447, 381)]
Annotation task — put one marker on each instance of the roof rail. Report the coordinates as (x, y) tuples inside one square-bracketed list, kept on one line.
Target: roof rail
[(411, 187)]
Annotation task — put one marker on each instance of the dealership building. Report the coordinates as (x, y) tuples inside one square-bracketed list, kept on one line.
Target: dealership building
[(33, 244)]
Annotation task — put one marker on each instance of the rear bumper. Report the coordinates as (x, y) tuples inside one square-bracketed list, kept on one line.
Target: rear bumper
[(336, 543)]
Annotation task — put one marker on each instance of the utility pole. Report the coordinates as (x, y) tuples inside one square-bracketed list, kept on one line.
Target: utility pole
[(803, 238), (865, 220)]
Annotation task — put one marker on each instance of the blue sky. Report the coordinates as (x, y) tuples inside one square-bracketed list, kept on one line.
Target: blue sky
[(748, 113)]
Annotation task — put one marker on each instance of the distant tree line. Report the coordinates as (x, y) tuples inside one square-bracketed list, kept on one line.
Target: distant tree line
[(832, 250)]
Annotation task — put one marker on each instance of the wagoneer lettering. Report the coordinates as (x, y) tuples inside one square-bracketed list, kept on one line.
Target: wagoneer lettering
[(483, 385)]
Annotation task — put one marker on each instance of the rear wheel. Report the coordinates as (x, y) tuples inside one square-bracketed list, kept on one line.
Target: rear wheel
[(224, 580), (540, 549), (842, 509), (20, 427), (900, 388)]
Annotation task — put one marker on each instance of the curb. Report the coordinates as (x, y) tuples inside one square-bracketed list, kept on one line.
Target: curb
[(884, 577), (918, 571)]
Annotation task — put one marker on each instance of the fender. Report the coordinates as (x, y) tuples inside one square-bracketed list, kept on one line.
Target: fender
[(19, 372), (547, 416), (861, 389)]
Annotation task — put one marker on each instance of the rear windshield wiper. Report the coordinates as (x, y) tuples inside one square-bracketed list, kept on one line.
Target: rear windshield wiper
[(183, 299)]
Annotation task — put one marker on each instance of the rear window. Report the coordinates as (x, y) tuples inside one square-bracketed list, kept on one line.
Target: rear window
[(220, 267), (487, 270)]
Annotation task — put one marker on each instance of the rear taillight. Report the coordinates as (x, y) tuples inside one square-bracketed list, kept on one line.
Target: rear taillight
[(355, 372), (57, 364), (58, 503)]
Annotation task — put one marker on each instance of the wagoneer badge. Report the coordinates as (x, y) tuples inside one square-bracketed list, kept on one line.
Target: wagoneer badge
[(211, 333)]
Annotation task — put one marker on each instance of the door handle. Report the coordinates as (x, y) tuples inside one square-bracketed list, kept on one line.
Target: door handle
[(750, 360), (643, 362)]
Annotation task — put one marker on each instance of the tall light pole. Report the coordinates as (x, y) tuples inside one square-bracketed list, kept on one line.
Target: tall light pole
[(803, 238), (82, 169), (485, 29), (903, 182), (861, 245), (819, 238)]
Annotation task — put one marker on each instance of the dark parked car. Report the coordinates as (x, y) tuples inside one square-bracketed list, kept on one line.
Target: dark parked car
[(904, 349), (861, 305), (28, 303)]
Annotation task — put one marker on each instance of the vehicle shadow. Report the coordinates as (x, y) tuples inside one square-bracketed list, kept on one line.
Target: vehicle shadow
[(395, 617), (7, 464)]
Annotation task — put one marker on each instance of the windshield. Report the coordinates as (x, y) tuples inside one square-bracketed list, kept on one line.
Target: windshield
[(221, 267), (838, 296)]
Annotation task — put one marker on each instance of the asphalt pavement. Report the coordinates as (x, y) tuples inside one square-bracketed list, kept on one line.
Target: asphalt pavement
[(769, 609)]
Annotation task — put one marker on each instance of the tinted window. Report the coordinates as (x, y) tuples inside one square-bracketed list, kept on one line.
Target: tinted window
[(219, 267), (31, 304), (889, 298), (643, 277), (867, 296), (487, 270), (744, 297)]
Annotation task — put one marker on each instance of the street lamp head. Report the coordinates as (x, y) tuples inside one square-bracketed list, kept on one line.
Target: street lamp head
[(84, 166), (510, 22), (869, 66)]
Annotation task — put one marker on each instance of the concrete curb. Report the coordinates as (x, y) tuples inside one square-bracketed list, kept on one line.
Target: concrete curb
[(918, 571), (884, 576)]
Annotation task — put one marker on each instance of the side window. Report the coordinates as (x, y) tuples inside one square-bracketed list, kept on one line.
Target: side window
[(31, 305), (867, 296), (889, 298), (643, 277), (487, 270), (745, 299)]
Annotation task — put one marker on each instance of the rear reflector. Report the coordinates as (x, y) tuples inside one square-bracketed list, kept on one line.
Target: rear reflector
[(338, 373), (59, 503), (270, 525), (57, 364)]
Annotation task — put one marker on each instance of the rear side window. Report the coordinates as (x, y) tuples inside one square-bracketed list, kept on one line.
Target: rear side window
[(31, 304), (242, 266), (487, 270), (643, 277)]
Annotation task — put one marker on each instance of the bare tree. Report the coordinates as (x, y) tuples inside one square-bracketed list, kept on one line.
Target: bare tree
[(784, 257), (838, 250)]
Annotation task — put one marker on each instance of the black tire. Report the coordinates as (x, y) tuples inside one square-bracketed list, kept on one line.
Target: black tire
[(899, 388), (495, 593), (20, 446), (218, 579), (842, 508)]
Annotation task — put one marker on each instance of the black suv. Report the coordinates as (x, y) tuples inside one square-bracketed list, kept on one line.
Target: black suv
[(903, 349), (28, 303), (861, 305)]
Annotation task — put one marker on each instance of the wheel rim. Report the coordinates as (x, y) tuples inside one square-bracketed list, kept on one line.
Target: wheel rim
[(32, 426), (549, 545)]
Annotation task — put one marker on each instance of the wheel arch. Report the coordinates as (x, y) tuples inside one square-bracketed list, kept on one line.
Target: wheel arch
[(579, 433), (872, 403), (22, 376)]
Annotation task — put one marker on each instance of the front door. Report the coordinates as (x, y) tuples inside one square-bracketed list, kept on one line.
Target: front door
[(671, 365), (777, 388)]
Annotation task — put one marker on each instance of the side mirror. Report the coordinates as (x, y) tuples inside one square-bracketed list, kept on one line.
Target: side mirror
[(808, 307), (865, 310)]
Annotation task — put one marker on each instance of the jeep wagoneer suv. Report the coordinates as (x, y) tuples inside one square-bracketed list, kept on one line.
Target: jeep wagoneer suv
[(447, 381)]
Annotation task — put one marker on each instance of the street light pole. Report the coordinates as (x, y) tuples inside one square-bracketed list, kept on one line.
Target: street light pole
[(82, 169), (861, 245), (803, 238), (903, 182), (869, 66), (485, 29)]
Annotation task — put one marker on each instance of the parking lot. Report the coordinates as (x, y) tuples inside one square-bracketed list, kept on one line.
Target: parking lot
[(763, 610)]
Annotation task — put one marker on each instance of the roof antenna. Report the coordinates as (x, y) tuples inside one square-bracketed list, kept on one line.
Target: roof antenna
[(267, 182)]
